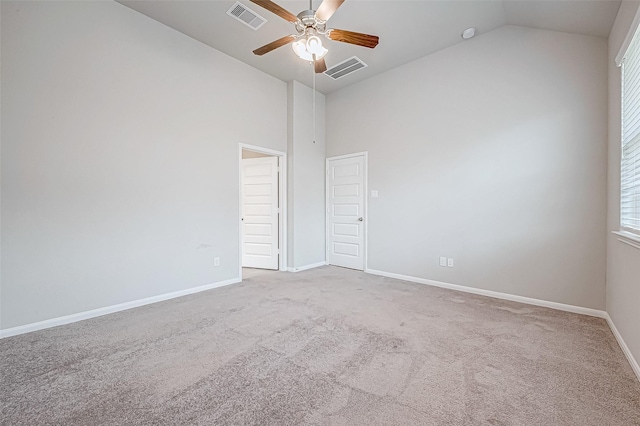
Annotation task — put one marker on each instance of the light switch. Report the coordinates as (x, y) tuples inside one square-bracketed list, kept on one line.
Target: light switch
[(374, 193)]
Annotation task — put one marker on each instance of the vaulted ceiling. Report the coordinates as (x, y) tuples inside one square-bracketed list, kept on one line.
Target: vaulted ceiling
[(408, 30)]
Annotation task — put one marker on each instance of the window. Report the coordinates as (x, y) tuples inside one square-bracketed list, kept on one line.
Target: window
[(630, 163)]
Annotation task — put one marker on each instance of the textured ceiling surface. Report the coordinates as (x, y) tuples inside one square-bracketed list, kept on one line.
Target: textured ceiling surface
[(408, 30)]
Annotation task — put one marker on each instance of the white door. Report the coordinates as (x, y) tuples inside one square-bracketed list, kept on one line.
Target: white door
[(345, 211), (260, 213)]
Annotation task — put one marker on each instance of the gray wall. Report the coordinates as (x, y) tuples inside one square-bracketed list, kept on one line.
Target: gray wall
[(306, 197), (492, 152), (119, 157), (623, 261)]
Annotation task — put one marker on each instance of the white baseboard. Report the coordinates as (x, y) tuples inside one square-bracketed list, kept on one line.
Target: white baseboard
[(634, 364), (67, 319), (495, 294), (306, 267)]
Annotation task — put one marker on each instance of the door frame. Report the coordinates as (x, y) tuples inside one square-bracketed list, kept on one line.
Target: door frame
[(365, 208), (282, 203)]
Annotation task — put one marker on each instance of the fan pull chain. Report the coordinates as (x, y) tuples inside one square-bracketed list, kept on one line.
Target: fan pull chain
[(314, 100)]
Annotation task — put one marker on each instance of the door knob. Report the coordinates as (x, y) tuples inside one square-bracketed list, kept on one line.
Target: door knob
[(360, 219)]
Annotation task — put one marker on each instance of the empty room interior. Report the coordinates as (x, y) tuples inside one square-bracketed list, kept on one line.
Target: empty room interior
[(326, 212)]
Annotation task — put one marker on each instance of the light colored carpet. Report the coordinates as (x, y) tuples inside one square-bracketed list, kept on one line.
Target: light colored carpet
[(253, 273), (321, 347)]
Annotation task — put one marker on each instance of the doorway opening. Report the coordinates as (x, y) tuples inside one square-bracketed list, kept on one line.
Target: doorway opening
[(262, 208)]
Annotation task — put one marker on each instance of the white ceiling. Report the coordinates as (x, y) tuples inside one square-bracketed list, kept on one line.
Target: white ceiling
[(408, 30)]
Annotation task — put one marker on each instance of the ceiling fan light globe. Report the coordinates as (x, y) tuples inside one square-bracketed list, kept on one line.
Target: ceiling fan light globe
[(322, 53), (314, 45), (300, 48), (316, 48)]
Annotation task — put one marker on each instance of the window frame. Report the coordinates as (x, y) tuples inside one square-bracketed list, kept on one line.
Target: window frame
[(631, 234)]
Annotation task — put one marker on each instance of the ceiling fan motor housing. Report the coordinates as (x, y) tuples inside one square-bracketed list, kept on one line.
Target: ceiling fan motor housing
[(307, 19)]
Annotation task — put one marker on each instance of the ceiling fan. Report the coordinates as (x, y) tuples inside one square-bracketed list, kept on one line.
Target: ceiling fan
[(309, 25)]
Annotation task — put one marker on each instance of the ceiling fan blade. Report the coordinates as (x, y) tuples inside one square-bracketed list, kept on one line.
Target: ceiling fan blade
[(274, 45), (327, 9), (320, 66), (278, 10), (360, 39)]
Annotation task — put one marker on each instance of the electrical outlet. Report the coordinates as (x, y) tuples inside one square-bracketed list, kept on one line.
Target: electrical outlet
[(443, 261), (216, 261), (374, 193), (450, 262)]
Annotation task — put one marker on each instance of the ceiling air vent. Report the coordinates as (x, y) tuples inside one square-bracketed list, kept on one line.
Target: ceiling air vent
[(245, 15), (347, 67)]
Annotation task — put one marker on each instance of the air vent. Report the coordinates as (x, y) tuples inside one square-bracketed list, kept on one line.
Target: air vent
[(247, 16), (347, 67)]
